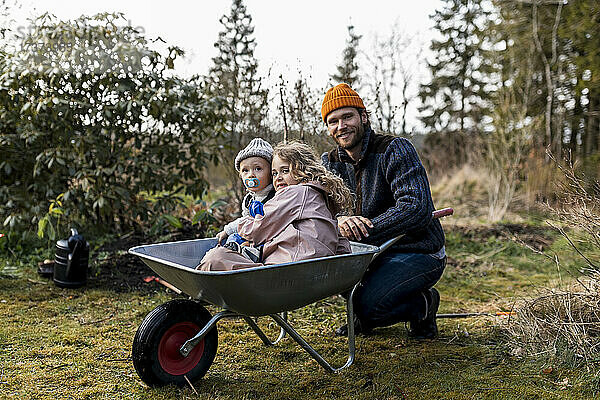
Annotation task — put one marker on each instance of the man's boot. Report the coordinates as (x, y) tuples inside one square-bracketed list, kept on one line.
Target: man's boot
[(358, 329), (427, 327)]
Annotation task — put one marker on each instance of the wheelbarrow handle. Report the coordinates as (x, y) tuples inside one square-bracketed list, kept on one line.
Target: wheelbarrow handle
[(436, 214), (444, 212), (167, 284), (162, 282), (387, 244)]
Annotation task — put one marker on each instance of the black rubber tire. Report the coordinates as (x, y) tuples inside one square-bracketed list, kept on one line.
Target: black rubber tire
[(155, 350)]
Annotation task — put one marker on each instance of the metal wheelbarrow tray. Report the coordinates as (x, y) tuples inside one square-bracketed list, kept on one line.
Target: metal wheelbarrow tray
[(177, 341)]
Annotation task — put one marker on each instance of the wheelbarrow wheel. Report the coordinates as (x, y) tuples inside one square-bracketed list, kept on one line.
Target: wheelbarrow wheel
[(165, 329)]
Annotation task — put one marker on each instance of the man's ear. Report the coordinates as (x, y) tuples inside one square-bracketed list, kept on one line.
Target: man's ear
[(363, 116)]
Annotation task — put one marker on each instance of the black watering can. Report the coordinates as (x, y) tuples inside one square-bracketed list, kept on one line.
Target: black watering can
[(71, 261)]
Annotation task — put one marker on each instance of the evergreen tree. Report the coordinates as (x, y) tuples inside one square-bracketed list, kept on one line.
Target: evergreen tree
[(234, 76), (347, 70), (456, 100)]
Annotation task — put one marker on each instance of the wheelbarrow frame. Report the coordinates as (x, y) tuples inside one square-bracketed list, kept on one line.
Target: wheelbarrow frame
[(285, 327)]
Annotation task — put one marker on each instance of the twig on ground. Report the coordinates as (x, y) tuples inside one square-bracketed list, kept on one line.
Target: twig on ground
[(190, 383), (58, 366), (37, 282), (98, 321)]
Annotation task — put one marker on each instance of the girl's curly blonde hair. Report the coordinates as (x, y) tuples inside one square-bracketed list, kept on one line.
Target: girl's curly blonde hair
[(305, 167)]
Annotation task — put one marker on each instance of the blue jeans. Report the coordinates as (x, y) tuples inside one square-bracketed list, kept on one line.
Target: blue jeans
[(391, 290)]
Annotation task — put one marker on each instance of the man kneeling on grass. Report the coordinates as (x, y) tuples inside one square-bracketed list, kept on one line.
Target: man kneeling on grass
[(392, 198)]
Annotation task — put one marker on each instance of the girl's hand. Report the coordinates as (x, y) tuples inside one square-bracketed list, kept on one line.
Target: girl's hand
[(221, 237), (354, 227)]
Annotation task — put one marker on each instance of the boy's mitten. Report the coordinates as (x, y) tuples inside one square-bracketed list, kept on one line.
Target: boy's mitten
[(256, 208)]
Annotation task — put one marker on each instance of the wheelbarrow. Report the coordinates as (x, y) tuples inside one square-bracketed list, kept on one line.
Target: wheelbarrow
[(176, 342)]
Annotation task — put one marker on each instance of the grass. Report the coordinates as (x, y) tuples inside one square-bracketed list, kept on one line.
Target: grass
[(76, 343)]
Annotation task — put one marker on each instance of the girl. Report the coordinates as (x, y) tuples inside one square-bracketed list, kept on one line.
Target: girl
[(299, 222)]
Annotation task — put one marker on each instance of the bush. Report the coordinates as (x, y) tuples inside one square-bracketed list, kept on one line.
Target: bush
[(92, 118), (564, 324)]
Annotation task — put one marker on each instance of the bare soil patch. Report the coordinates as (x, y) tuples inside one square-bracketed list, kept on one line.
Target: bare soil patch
[(123, 272)]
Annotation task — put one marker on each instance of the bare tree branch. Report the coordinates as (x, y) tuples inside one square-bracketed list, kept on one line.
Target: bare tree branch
[(539, 2), (547, 72), (555, 33)]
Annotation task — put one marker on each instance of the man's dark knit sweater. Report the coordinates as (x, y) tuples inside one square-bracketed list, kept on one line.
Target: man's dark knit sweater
[(392, 190)]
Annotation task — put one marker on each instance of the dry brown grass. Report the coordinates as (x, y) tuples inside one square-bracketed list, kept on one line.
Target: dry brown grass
[(463, 189), (561, 325)]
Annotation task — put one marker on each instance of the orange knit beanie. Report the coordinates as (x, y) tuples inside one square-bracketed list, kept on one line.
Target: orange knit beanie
[(340, 96)]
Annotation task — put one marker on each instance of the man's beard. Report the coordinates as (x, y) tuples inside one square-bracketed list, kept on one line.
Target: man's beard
[(356, 141)]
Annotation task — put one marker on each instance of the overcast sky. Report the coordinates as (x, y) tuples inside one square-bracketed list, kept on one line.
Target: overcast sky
[(290, 35)]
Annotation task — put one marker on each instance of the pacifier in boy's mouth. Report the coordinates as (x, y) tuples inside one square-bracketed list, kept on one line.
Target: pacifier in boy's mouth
[(252, 182)]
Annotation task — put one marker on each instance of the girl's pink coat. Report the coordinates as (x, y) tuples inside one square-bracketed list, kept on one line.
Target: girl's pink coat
[(297, 225)]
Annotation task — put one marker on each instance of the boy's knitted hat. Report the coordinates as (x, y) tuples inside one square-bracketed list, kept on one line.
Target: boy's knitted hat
[(256, 148), (340, 96)]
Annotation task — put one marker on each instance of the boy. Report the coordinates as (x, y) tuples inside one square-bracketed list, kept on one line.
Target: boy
[(254, 165)]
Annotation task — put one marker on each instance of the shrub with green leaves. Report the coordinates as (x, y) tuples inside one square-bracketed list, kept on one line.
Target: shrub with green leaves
[(91, 115)]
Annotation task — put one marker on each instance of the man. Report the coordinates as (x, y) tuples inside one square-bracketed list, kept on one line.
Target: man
[(392, 198)]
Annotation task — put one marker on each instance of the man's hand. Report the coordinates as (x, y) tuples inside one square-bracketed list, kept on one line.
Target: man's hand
[(221, 237), (354, 227)]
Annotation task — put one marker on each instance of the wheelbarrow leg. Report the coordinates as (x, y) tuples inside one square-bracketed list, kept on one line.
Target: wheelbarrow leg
[(189, 345), (310, 350), (261, 334)]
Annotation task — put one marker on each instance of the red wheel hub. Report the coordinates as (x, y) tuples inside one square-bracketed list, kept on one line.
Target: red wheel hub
[(170, 358)]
